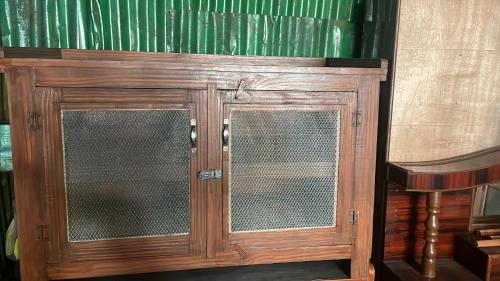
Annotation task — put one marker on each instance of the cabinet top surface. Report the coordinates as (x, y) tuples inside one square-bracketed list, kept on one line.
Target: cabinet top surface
[(36, 57)]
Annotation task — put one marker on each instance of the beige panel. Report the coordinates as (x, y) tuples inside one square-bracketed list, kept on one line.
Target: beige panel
[(450, 24), (442, 142), (447, 86)]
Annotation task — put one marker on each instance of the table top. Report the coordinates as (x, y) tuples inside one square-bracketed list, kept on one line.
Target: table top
[(464, 171)]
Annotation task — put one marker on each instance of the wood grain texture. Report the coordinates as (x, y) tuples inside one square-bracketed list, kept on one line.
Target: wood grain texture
[(364, 176), (28, 163), (447, 85), (495, 268), (450, 24), (191, 79), (324, 270), (214, 161), (319, 271), (405, 217), (464, 171), (74, 54), (44, 98), (81, 269), (211, 65)]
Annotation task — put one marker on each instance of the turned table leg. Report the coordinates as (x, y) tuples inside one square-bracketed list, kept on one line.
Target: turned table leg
[(429, 258)]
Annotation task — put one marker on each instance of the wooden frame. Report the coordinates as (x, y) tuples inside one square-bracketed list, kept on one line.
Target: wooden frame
[(330, 236), (36, 86), (61, 250), (477, 218)]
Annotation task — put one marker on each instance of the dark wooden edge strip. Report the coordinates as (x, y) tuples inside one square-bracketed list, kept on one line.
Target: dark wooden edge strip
[(397, 175), (383, 144), (412, 181), (357, 63), (40, 53)]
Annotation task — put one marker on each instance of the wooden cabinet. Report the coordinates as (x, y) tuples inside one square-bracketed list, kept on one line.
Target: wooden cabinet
[(130, 162)]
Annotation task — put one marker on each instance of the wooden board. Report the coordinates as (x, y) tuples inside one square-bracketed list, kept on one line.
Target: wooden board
[(404, 231), (291, 271), (447, 85), (460, 172), (449, 25)]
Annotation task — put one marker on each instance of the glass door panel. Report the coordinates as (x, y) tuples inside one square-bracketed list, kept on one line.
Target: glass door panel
[(283, 169), (126, 173)]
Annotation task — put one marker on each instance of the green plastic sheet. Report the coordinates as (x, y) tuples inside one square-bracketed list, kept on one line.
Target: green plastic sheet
[(320, 9), (379, 29), (315, 28)]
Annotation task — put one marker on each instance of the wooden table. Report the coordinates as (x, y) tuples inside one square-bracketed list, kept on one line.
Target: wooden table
[(434, 177)]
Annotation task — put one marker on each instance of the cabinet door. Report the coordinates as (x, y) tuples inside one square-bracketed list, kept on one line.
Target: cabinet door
[(123, 167), (288, 163)]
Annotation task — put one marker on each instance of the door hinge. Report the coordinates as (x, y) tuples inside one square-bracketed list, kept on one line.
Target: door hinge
[(40, 232), (356, 118), (33, 118), (354, 217), (210, 174)]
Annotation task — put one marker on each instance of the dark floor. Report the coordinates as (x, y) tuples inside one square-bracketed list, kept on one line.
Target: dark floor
[(447, 270), (304, 271)]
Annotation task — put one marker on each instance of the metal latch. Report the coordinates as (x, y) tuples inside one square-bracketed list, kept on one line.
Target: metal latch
[(33, 120), (354, 217), (210, 174), (356, 118), (40, 232)]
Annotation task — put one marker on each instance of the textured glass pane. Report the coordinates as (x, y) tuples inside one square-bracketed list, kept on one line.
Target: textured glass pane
[(126, 173), (283, 169), (492, 203)]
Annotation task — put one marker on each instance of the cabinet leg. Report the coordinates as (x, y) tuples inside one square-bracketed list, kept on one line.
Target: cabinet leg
[(429, 258), (371, 273)]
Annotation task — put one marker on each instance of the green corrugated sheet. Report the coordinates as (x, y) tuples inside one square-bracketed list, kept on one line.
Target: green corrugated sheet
[(268, 27), (379, 29), (320, 9)]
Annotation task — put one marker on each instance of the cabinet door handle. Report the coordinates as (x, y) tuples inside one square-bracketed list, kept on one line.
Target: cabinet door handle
[(194, 135), (225, 135)]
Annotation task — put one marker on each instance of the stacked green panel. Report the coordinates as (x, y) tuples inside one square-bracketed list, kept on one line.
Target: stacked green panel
[(379, 29), (184, 31), (314, 28), (320, 9)]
